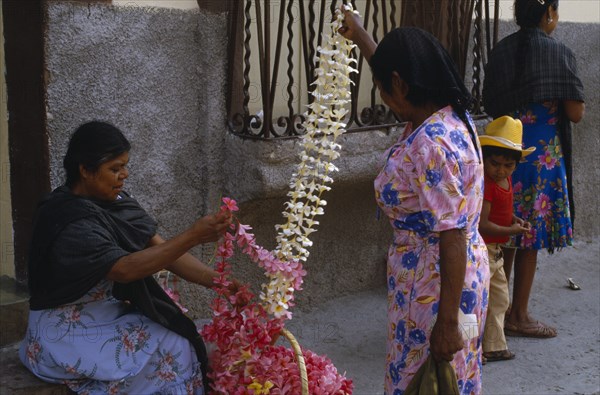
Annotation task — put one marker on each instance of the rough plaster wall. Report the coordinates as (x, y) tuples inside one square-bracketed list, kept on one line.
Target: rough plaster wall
[(158, 75), (582, 39), (350, 246)]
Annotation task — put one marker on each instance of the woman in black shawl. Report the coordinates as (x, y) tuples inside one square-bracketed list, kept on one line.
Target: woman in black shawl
[(431, 190), (98, 320), (532, 77)]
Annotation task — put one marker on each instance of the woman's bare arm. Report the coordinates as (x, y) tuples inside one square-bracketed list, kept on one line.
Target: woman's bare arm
[(162, 254), (574, 110)]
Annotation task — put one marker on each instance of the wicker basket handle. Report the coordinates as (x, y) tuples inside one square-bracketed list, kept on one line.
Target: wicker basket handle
[(299, 359)]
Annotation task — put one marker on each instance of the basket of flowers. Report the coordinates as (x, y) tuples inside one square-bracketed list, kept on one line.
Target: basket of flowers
[(244, 330)]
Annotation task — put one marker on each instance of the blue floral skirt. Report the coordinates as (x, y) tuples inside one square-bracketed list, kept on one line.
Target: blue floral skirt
[(540, 182), (99, 345)]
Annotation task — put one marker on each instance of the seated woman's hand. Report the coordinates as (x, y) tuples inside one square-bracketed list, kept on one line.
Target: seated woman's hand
[(209, 228)]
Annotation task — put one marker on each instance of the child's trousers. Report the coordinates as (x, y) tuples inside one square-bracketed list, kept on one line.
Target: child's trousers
[(498, 301)]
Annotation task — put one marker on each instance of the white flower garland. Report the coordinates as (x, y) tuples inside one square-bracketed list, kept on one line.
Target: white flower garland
[(324, 124)]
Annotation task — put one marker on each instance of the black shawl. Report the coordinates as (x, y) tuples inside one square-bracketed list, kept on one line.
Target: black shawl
[(531, 67), (64, 264)]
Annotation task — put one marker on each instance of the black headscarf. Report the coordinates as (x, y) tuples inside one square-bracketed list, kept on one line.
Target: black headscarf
[(423, 63), (426, 67)]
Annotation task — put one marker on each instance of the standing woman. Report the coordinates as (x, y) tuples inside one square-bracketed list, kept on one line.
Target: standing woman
[(532, 77), (431, 189), (98, 320)]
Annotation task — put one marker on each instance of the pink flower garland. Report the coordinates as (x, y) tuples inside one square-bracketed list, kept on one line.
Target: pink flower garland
[(245, 360)]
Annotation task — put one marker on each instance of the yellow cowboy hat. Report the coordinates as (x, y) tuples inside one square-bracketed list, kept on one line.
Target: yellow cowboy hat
[(505, 132)]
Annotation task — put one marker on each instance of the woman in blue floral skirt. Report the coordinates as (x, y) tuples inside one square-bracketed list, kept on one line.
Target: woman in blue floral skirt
[(532, 77)]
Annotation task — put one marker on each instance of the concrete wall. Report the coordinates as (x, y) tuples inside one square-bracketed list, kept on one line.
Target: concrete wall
[(159, 75)]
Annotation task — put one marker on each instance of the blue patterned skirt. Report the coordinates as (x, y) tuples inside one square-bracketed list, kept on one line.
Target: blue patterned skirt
[(540, 182)]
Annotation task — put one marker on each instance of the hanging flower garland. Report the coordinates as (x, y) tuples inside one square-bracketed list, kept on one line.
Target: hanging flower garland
[(245, 360), (324, 124)]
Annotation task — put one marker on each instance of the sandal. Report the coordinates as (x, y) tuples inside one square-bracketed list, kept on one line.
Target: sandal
[(538, 330), (503, 355)]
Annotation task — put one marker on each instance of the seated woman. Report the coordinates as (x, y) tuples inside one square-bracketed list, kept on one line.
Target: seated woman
[(98, 320)]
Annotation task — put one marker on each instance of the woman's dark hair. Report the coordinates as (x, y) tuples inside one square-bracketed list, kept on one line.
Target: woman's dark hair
[(423, 64), (528, 13), (426, 67), (91, 145), (490, 150)]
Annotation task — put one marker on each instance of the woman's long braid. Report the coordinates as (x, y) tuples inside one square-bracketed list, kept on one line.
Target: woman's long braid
[(460, 107)]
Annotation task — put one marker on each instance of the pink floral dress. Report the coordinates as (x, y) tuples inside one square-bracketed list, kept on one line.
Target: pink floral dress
[(432, 182), (99, 345)]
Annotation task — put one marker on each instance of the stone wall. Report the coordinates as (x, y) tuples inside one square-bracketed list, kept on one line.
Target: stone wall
[(160, 76)]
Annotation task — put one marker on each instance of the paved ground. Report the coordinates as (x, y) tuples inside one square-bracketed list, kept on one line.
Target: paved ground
[(351, 331)]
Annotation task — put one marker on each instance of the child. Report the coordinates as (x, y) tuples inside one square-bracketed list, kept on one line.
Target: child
[(502, 151)]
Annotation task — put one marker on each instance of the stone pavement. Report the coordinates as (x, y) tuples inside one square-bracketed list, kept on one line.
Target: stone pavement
[(351, 331)]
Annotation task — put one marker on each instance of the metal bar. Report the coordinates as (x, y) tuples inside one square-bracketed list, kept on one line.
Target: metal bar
[(496, 17), (321, 23), (305, 44), (488, 33), (268, 110), (361, 59), (277, 52), (290, 61), (393, 13), (259, 34), (311, 64), (232, 64), (475, 91), (375, 28), (384, 13), (247, 53), (354, 88)]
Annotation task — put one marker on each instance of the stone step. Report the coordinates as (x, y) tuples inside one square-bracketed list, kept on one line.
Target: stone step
[(14, 311), (15, 379)]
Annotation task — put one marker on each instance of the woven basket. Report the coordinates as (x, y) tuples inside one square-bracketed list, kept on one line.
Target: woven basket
[(299, 359)]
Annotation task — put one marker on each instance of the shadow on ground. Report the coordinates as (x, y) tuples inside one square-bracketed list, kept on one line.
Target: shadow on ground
[(351, 331)]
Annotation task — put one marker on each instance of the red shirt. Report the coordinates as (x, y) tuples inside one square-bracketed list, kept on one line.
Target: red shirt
[(501, 212)]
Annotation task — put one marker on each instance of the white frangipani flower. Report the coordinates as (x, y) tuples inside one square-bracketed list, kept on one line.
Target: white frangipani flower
[(324, 123)]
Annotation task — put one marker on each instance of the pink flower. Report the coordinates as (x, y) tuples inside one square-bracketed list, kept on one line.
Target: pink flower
[(243, 331), (33, 350), (529, 118), (547, 160), (518, 187), (230, 204), (542, 204), (529, 238), (174, 295)]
